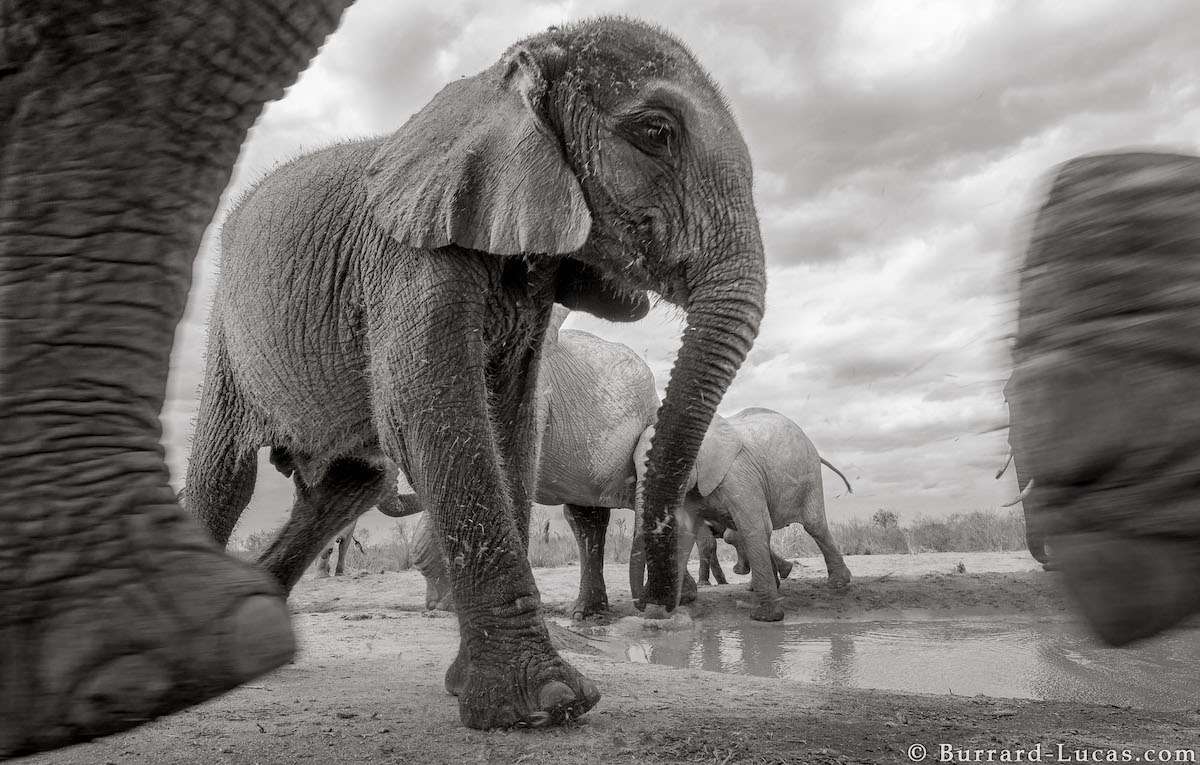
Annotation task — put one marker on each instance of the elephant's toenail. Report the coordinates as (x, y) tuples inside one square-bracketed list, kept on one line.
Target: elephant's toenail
[(128, 688), (555, 694), (261, 636)]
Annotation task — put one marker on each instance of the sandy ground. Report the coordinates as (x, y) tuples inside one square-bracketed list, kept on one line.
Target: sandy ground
[(367, 686)]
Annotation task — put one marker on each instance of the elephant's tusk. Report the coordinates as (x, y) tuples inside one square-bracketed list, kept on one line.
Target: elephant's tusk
[(1007, 462), (1024, 493)]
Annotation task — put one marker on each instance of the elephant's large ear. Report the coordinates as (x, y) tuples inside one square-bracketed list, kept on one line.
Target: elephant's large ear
[(480, 167), (720, 447), (582, 287)]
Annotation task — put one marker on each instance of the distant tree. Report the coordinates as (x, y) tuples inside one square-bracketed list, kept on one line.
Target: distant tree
[(885, 519)]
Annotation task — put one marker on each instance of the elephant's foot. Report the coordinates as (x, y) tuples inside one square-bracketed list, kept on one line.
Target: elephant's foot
[(114, 648), (593, 605), (1130, 588), (688, 590), (456, 675), (1049, 566), (839, 577), (741, 568), (784, 568), (534, 688), (438, 598), (769, 611)]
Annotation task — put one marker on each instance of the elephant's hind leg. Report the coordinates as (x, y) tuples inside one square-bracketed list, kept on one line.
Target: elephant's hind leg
[(349, 488), (813, 520), (590, 525)]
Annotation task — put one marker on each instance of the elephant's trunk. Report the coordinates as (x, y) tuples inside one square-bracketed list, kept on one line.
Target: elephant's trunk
[(724, 311), (637, 552)]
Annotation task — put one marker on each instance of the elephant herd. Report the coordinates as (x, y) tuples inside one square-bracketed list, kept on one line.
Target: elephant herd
[(756, 471), (384, 306)]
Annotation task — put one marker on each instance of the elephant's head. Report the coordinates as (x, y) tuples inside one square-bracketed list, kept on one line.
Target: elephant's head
[(721, 445), (604, 150), (1103, 402)]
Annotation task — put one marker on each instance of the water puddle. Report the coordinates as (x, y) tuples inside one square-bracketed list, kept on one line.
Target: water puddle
[(1002, 657)]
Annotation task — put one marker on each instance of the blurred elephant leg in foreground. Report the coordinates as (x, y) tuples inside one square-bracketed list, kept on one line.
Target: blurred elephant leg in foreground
[(590, 525), (121, 124), (1103, 400)]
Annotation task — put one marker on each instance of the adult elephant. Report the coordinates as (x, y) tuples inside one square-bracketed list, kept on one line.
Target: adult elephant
[(119, 125), (1102, 400), (596, 402), (383, 303), (758, 471)]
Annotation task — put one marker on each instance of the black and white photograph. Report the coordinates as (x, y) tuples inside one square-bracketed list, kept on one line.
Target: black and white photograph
[(688, 381)]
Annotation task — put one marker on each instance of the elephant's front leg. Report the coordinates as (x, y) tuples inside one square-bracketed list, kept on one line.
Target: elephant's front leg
[(753, 538), (507, 671)]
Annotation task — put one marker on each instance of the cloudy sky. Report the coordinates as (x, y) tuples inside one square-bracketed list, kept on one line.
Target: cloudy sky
[(898, 148)]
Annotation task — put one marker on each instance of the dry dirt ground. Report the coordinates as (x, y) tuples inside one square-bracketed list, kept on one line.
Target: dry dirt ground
[(367, 686)]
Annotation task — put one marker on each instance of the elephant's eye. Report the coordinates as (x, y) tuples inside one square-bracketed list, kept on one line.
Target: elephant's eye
[(656, 134)]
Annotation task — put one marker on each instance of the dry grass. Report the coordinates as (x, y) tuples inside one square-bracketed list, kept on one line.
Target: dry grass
[(886, 532), (975, 531)]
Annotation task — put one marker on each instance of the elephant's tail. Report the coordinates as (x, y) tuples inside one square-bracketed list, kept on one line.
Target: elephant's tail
[(846, 480), (399, 505)]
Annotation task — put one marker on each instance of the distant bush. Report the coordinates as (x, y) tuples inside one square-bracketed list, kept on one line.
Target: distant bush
[(885, 519), (976, 531), (393, 553)]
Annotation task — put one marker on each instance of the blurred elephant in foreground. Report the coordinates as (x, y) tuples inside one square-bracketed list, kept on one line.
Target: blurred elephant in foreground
[(757, 471), (1103, 407), (120, 123)]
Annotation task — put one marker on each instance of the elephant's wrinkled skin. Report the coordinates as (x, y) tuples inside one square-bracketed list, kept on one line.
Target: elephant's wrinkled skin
[(1103, 409), (383, 302), (119, 125), (758, 471)]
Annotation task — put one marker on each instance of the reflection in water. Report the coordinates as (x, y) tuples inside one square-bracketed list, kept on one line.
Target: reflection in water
[(964, 656)]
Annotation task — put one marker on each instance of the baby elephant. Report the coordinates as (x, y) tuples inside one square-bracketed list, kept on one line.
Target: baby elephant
[(707, 534), (757, 471)]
